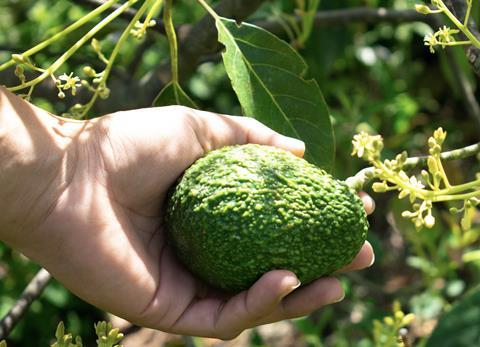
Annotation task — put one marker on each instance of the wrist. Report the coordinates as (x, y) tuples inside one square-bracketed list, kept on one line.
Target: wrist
[(36, 161)]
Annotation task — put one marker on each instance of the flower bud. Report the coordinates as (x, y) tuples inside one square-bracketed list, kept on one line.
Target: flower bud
[(388, 321), (89, 71), (379, 187), (408, 319), (429, 221), (424, 9)]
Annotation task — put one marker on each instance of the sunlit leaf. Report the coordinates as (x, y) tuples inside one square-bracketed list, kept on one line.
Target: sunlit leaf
[(267, 76)]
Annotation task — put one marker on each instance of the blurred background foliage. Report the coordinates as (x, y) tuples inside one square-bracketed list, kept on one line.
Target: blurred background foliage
[(375, 76)]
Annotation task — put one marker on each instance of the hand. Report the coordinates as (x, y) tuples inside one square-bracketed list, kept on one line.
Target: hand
[(103, 238)]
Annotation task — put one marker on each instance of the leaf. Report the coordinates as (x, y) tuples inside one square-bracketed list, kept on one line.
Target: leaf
[(267, 76), (173, 94), (460, 327)]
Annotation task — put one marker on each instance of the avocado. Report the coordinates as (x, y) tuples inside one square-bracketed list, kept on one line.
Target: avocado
[(243, 210)]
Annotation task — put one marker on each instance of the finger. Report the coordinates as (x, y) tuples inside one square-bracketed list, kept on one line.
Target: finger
[(365, 258), (259, 133), (226, 130), (304, 300), (368, 202), (226, 319)]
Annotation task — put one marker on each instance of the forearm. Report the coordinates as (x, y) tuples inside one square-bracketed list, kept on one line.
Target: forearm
[(32, 166)]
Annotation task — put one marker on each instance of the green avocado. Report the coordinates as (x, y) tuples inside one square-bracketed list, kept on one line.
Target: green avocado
[(241, 211)]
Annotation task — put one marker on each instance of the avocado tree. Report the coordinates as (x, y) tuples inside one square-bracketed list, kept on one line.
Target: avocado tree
[(282, 62)]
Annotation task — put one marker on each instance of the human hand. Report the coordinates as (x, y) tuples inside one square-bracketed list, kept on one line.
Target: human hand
[(103, 238)]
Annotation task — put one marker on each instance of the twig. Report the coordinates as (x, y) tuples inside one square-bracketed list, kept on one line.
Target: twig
[(458, 8), (31, 292), (128, 14), (363, 176), (354, 15), (467, 94)]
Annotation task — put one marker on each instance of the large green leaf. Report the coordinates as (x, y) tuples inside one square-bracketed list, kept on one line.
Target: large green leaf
[(267, 76), (173, 94), (460, 327)]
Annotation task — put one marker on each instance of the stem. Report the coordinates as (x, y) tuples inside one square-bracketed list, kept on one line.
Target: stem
[(458, 24), (461, 187), (172, 39), (115, 52), (151, 13), (455, 197), (457, 43), (210, 10), (82, 21), (467, 15), (442, 172), (60, 61)]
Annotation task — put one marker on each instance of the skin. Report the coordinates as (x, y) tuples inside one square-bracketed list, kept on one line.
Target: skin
[(85, 200)]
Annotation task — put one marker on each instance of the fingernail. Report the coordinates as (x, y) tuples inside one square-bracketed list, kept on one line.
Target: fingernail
[(297, 285), (368, 202), (373, 260), (339, 298), (295, 146), (291, 283)]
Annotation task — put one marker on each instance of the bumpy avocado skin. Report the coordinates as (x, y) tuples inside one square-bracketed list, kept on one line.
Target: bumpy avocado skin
[(241, 211)]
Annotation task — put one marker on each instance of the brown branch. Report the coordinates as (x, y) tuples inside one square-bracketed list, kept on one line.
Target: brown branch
[(355, 15), (31, 292)]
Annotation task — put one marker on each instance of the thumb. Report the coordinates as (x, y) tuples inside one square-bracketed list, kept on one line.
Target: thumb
[(226, 130), (259, 133)]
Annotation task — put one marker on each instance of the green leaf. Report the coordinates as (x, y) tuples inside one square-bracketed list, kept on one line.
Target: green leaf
[(173, 94), (460, 327), (267, 76)]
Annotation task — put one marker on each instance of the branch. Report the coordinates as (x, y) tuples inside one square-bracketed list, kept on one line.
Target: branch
[(31, 292), (354, 15), (201, 39), (363, 176), (465, 88), (458, 8), (128, 14)]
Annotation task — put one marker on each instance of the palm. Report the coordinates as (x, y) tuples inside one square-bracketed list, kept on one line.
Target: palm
[(108, 223)]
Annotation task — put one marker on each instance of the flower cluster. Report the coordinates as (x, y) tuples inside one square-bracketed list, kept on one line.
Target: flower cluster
[(68, 82), (392, 331), (446, 36), (442, 37), (107, 337), (431, 186)]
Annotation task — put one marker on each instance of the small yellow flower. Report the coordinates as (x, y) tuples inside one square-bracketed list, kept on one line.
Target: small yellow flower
[(69, 82)]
